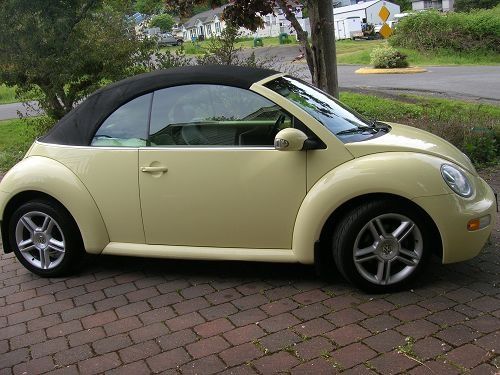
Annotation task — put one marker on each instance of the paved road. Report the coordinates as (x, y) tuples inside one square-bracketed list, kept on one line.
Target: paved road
[(8, 111), (140, 316)]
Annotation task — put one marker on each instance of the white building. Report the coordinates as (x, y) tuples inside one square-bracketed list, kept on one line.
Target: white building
[(210, 23), (368, 11), (443, 5)]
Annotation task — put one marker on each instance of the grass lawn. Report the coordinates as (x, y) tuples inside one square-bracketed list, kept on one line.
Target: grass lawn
[(474, 128), (7, 94)]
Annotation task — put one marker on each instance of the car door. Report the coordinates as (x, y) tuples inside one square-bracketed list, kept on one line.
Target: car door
[(211, 176)]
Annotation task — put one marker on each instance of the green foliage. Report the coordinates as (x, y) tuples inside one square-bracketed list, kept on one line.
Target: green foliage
[(405, 5), (164, 21), (461, 32), (7, 94), (385, 57), (468, 5), (149, 6), (66, 50)]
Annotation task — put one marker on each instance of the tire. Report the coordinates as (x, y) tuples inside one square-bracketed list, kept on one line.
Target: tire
[(382, 246), (45, 238)]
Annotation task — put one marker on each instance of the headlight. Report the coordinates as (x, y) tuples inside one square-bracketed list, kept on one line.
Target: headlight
[(456, 180)]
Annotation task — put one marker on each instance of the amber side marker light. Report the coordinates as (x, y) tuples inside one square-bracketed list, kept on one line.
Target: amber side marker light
[(480, 223)]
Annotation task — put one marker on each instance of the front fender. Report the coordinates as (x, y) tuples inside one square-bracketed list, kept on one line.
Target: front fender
[(41, 174), (405, 174)]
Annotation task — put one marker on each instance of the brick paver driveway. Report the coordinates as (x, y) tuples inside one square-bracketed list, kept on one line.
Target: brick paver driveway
[(136, 316)]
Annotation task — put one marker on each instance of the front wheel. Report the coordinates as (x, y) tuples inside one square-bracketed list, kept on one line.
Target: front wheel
[(45, 238), (382, 246)]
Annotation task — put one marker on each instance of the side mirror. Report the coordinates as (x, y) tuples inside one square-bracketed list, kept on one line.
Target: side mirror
[(290, 139)]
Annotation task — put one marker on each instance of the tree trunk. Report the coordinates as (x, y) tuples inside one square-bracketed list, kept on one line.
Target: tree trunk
[(320, 56), (323, 45)]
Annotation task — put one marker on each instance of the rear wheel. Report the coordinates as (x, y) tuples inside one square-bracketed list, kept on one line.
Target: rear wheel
[(382, 246), (45, 238)]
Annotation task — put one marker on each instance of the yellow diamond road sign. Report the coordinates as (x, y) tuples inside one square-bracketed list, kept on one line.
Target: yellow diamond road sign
[(385, 31), (384, 13)]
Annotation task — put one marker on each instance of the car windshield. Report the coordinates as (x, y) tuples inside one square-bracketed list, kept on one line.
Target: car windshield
[(342, 121)]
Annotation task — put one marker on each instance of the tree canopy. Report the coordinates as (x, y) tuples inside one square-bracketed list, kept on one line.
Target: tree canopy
[(164, 21), (66, 49), (467, 5)]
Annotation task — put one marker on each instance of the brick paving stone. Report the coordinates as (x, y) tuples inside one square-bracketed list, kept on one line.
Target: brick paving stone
[(208, 365), (312, 311), (318, 366), (403, 298), (240, 354), (446, 317), (177, 339), (48, 347), (392, 363), (99, 364), (190, 305), (435, 367), (135, 368), (467, 310), (486, 304), (110, 303), (36, 366), (463, 295), (223, 296), (410, 312), (172, 286), (348, 334), (484, 324), (77, 312), (430, 347), (70, 293), (318, 326), (248, 302), (98, 319), (87, 336), (122, 325), (376, 307), (207, 346), (139, 351), (341, 302), (359, 370), (157, 315), (239, 370), (111, 344), (214, 327), (279, 340), (68, 370), (244, 334), (120, 289), (14, 357), (57, 307), (380, 323), (313, 348), (73, 355), (385, 341), (246, 317), (148, 332), (219, 311), (253, 287), (352, 355), (490, 342), (20, 296), (345, 317), (168, 360), (278, 322), (484, 369), (279, 307), (39, 301), (281, 292), (24, 316), (28, 339), (279, 362), (458, 335), (12, 331), (197, 291), (132, 309), (184, 321), (418, 328), (467, 356), (142, 294), (311, 296), (64, 329)]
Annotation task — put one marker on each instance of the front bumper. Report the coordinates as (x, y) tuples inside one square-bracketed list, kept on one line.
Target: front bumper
[(451, 213)]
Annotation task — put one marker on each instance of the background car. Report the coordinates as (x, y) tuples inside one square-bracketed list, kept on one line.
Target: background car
[(167, 39), (232, 163)]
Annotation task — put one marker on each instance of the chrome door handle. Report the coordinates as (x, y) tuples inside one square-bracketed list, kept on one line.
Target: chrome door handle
[(154, 169)]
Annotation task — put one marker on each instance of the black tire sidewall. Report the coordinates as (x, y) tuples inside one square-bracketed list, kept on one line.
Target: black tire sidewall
[(353, 222), (73, 243)]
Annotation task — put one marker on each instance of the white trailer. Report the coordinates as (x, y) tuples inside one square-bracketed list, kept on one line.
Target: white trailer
[(348, 28)]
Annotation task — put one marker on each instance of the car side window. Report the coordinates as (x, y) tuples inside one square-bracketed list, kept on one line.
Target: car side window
[(214, 115), (127, 126)]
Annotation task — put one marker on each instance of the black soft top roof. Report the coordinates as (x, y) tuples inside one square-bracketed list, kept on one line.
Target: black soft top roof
[(79, 126)]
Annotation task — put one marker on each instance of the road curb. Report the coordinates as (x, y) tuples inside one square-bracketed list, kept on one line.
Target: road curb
[(410, 70)]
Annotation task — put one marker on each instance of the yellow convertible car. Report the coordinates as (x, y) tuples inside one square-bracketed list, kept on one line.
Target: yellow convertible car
[(231, 163)]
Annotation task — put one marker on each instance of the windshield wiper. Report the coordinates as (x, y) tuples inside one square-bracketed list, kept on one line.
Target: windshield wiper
[(355, 130)]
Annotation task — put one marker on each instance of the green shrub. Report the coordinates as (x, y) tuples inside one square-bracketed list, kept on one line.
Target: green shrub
[(477, 30), (385, 57), (163, 21)]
